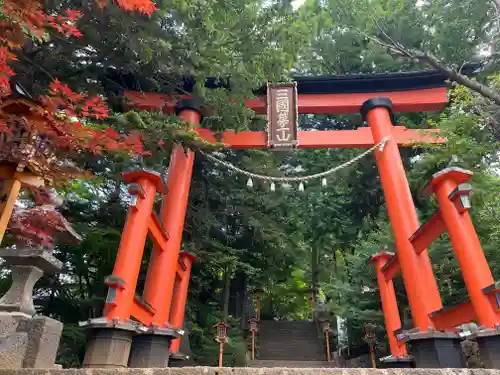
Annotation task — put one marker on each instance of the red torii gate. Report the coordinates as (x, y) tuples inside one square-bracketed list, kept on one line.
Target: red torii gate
[(159, 304)]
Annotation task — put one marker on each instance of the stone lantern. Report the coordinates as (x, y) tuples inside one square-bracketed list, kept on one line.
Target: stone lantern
[(221, 338), (254, 326), (370, 338)]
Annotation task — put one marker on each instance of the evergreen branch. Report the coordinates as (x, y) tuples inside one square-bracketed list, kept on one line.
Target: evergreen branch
[(431, 60)]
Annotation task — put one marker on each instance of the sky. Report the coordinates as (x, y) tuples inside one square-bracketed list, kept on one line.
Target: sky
[(298, 3)]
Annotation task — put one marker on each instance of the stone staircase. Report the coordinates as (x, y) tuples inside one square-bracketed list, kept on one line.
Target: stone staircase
[(291, 364), (290, 344)]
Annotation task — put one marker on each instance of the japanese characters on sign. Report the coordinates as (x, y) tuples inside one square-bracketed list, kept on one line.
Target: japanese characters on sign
[(282, 113)]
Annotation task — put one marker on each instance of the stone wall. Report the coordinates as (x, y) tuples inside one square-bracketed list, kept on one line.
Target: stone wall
[(246, 371)]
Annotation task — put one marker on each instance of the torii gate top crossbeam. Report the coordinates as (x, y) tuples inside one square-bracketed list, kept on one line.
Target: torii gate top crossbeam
[(408, 92), (432, 99)]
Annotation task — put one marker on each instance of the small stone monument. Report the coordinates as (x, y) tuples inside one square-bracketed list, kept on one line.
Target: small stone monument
[(28, 340)]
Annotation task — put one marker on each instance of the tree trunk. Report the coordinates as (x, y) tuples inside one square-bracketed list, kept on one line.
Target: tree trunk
[(314, 272), (226, 293)]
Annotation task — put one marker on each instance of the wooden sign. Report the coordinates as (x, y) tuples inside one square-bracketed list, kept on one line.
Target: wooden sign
[(282, 114)]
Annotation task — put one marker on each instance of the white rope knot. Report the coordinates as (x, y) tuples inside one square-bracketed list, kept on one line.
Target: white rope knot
[(380, 145), (383, 143)]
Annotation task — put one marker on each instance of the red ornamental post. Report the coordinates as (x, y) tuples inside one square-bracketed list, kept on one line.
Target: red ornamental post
[(310, 299), (258, 296), (254, 323), (326, 330), (160, 281), (420, 284), (221, 338)]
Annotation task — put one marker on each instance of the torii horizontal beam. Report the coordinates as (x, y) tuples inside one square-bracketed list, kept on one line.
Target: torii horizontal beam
[(430, 99), (359, 138)]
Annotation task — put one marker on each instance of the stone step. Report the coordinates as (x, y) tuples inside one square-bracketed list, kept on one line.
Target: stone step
[(291, 354), (290, 342), (309, 349), (295, 358), (290, 349), (288, 339), (290, 336), (291, 364), (246, 371), (294, 343)]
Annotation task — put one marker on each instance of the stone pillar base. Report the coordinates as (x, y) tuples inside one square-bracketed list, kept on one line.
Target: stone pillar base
[(489, 347), (180, 360), (435, 349), (44, 334), (152, 349), (397, 362), (109, 345)]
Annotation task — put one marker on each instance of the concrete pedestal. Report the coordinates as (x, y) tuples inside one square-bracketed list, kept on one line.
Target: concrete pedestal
[(397, 362), (109, 344), (152, 349), (434, 349), (489, 347)]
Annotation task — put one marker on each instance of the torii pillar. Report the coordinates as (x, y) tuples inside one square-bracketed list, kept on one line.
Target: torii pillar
[(136, 331), (179, 300), (420, 284), (163, 264), (389, 304), (399, 357)]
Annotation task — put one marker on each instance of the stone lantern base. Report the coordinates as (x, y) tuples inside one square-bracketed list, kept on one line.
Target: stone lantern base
[(27, 340)]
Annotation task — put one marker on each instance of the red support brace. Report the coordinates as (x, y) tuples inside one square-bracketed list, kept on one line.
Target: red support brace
[(428, 232), (391, 269), (122, 283), (475, 270), (180, 297), (389, 304), (452, 316)]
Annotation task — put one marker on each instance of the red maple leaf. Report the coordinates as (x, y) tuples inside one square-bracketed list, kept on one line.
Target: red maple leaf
[(143, 6), (95, 108), (5, 71), (4, 128), (61, 106), (73, 15), (59, 89)]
